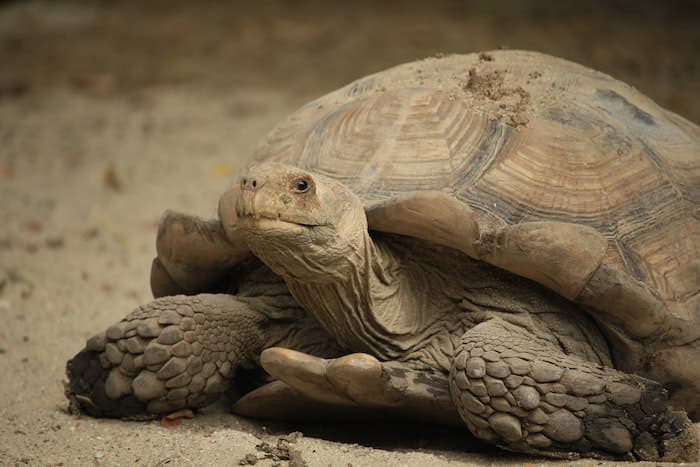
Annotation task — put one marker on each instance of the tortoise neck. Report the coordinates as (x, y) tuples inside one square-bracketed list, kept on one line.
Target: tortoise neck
[(358, 300)]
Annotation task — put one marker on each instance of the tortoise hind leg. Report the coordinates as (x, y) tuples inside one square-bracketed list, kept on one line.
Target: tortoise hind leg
[(526, 395)]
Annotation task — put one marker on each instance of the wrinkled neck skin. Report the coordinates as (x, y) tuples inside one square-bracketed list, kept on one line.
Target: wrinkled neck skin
[(351, 285), (283, 323)]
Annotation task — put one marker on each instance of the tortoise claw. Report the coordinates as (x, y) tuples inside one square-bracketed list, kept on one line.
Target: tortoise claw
[(361, 381), (352, 379)]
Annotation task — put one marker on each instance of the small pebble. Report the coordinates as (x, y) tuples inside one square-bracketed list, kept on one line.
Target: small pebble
[(249, 459)]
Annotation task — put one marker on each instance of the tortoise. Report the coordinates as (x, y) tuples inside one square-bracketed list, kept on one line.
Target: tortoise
[(506, 240)]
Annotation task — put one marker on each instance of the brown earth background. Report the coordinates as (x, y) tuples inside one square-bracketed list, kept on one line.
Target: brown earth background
[(113, 111)]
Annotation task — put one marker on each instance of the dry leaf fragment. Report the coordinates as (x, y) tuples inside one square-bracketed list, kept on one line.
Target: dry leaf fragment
[(111, 179)]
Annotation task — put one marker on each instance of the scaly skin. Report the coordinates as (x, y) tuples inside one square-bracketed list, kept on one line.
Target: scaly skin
[(183, 351), (173, 353), (525, 394)]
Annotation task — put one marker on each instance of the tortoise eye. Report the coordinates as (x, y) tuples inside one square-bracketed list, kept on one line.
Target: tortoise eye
[(301, 186)]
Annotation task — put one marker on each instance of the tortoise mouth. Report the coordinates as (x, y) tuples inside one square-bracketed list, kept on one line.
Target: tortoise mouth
[(269, 221)]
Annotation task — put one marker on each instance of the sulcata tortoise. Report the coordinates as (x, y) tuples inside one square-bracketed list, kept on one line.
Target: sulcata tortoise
[(505, 240)]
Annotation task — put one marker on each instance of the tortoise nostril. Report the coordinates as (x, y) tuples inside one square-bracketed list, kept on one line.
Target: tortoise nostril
[(249, 184)]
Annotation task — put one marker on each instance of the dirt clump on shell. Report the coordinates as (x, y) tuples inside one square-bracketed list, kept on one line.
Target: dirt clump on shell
[(513, 102)]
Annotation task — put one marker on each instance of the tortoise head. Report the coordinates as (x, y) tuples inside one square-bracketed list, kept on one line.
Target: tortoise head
[(297, 222)]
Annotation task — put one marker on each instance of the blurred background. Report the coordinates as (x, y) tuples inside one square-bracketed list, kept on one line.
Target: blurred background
[(305, 48)]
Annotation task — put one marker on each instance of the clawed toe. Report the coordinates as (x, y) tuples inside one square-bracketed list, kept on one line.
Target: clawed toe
[(360, 381)]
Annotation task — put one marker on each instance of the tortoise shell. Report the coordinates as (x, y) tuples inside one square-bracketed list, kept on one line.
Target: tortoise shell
[(519, 136)]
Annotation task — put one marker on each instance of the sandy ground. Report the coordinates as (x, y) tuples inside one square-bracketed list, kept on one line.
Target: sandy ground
[(112, 112)]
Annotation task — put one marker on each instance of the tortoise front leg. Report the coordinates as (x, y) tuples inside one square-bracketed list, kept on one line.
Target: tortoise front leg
[(526, 395), (173, 353), (193, 255)]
